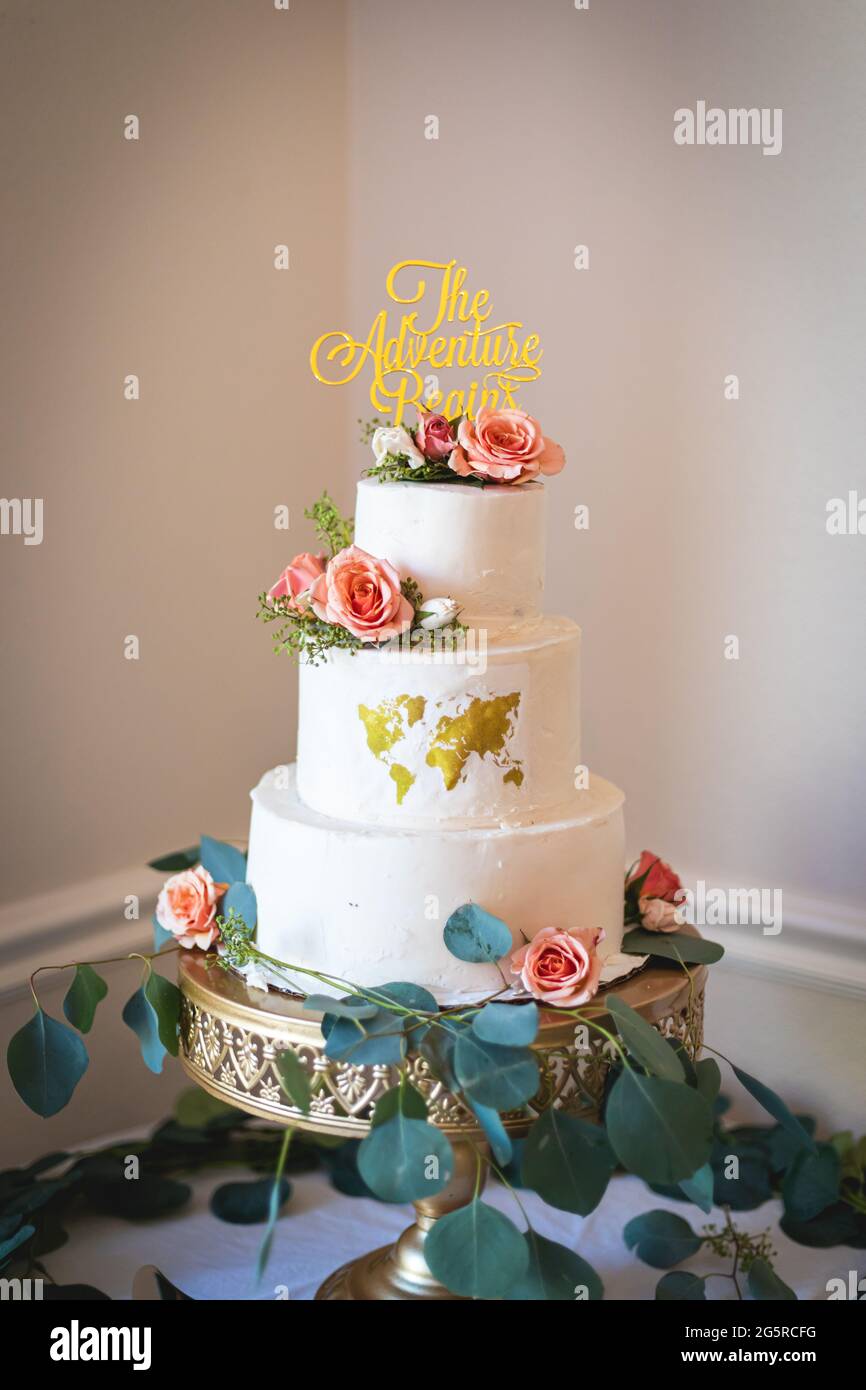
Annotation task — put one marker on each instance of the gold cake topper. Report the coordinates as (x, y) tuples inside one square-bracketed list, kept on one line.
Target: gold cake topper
[(447, 328)]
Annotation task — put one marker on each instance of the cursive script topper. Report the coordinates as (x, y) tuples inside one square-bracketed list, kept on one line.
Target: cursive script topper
[(441, 327)]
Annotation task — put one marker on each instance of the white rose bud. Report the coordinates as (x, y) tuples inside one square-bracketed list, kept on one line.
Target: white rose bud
[(394, 439), (437, 612)]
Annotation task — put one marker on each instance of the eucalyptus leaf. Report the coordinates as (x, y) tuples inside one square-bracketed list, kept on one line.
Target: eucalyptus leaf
[(46, 1061), (708, 1079), (502, 1078), (82, 997), (775, 1106), (274, 1203), (475, 935), (405, 1160), (402, 1099), (555, 1274), (658, 1129), (195, 1109), (161, 937), (21, 1237), (176, 861), (567, 1161), (765, 1284), (140, 1015), (680, 1286), (699, 1187), (509, 1025), (811, 1184), (836, 1225), (240, 898), (350, 1007), (293, 1078), (248, 1203), (495, 1132), (224, 863), (676, 946), (661, 1238), (477, 1252), (165, 999), (644, 1042), (136, 1199)]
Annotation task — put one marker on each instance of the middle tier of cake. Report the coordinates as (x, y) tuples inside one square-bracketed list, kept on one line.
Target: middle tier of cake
[(482, 737), (368, 904)]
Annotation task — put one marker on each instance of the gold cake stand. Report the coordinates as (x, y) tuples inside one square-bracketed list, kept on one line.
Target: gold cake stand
[(230, 1037)]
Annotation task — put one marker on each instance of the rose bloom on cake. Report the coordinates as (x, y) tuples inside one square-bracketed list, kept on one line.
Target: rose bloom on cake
[(396, 441), (363, 595), (297, 579), (435, 436), (504, 446), (186, 907), (560, 968), (658, 903)]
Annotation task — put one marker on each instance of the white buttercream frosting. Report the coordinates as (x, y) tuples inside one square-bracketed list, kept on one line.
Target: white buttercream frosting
[(368, 904)]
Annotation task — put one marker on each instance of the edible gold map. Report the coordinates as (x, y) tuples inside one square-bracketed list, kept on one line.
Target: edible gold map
[(477, 728)]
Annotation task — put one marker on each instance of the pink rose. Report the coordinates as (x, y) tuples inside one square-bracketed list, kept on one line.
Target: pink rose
[(434, 436), (362, 594), (660, 882), (506, 446), (186, 907), (297, 578), (560, 967), (657, 915)]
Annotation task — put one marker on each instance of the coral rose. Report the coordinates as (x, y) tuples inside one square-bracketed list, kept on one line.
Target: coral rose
[(506, 446), (560, 967), (361, 593), (186, 907), (297, 579), (434, 436), (660, 882)]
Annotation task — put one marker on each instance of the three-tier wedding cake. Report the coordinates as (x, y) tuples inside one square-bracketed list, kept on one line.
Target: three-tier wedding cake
[(433, 774)]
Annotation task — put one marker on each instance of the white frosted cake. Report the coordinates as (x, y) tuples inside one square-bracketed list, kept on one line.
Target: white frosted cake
[(429, 779)]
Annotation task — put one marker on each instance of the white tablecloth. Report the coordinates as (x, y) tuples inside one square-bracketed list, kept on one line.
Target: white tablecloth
[(319, 1229)]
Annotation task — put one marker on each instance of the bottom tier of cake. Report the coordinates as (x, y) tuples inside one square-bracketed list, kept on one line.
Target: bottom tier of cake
[(368, 904)]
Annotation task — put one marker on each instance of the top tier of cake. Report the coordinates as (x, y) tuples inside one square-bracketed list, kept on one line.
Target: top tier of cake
[(483, 546)]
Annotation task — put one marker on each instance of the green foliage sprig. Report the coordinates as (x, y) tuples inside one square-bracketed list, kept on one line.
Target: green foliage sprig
[(334, 530), (302, 633)]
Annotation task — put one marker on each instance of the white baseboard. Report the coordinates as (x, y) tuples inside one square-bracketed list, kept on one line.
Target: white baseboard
[(821, 945), (84, 921)]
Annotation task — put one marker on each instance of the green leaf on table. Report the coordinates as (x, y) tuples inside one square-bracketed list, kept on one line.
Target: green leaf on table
[(555, 1274), (699, 1187), (783, 1147), (240, 897), (476, 1252), (176, 861), (248, 1203), (743, 1186), (837, 1225), (502, 1078), (13, 1243), (644, 1042), (661, 1238), (475, 935), (46, 1061), (495, 1132), (681, 1287), (658, 1129), (775, 1106), (224, 863), (708, 1079), (811, 1184), (677, 946), (135, 1199), (140, 1015), (508, 1025), (403, 1158), (82, 997), (765, 1284), (567, 1161), (294, 1078)]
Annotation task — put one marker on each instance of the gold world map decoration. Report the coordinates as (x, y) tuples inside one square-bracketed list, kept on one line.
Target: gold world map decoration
[(477, 728)]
